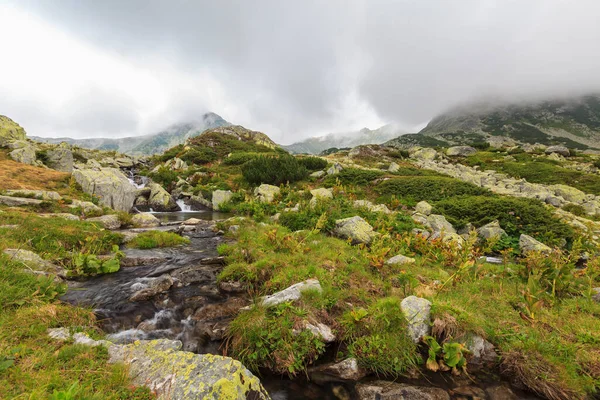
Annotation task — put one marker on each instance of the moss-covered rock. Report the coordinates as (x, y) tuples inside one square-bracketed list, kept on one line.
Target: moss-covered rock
[(356, 229), (160, 199), (175, 374), (110, 185)]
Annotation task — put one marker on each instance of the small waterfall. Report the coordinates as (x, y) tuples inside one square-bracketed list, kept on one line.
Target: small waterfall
[(138, 181), (184, 207)]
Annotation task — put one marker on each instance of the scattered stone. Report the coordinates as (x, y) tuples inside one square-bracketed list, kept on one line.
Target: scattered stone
[(384, 390), (423, 154), (232, 287), (460, 151), (417, 312), (393, 167), (178, 375), (335, 169), (554, 201), (382, 208), (34, 263), (439, 224), (110, 221), (491, 230), (110, 185), (482, 353), (320, 194), (562, 150), (596, 297), (421, 232), (25, 155), (356, 229), (61, 334), (145, 220), (219, 197), (152, 288), (292, 293), (400, 260), (569, 193), (471, 392), (500, 392), (192, 221), (527, 244), (266, 193), (86, 206), (322, 331), (318, 174), (347, 370), (68, 216), (424, 208)]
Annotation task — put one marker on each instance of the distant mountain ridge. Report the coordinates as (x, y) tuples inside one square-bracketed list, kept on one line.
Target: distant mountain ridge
[(574, 122), (147, 144), (316, 145)]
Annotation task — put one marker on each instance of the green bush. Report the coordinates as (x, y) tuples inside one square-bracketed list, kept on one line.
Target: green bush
[(516, 216), (353, 176), (154, 239), (171, 153), (274, 170), (165, 177), (430, 188), (575, 209), (199, 155), (240, 158), (313, 163)]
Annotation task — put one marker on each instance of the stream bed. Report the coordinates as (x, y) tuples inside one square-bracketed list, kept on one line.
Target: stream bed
[(173, 293)]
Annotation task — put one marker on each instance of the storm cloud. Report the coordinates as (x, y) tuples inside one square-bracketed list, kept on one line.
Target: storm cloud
[(291, 69)]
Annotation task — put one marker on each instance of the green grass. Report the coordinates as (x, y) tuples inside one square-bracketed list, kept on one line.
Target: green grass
[(154, 239), (32, 365)]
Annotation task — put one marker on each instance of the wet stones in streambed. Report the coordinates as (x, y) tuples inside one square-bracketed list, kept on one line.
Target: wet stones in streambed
[(346, 370), (214, 319), (384, 390)]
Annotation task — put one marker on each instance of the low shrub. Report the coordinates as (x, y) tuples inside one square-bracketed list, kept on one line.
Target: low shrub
[(274, 170), (516, 216), (154, 239), (199, 155), (353, 176), (240, 158), (430, 188), (171, 153), (313, 163)]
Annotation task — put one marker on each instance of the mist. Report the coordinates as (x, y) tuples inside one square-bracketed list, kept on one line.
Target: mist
[(291, 70)]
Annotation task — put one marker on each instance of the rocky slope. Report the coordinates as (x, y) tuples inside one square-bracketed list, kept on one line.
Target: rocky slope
[(148, 144), (574, 122), (318, 144)]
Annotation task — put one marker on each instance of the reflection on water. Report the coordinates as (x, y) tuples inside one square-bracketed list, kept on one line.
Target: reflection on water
[(207, 215)]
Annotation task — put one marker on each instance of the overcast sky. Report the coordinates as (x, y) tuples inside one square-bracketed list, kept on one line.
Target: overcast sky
[(292, 69)]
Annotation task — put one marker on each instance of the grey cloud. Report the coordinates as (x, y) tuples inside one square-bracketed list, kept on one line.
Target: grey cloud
[(290, 65)]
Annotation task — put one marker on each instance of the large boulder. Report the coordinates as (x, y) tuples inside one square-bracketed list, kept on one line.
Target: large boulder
[(34, 263), (460, 151), (60, 158), (25, 155), (178, 375), (160, 199), (266, 193), (569, 193), (219, 197), (18, 201), (145, 220), (562, 150), (424, 208), (384, 390), (527, 244), (335, 169), (292, 293), (425, 154), (320, 194), (439, 224), (417, 311), (356, 229), (491, 230), (110, 185), (10, 131)]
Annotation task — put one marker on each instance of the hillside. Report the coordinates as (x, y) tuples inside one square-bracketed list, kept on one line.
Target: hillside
[(148, 144), (574, 122), (316, 145)]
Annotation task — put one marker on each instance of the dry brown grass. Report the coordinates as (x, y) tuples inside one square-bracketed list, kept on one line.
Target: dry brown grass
[(15, 175)]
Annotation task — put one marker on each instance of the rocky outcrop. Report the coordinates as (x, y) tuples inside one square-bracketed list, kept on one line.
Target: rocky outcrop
[(110, 185), (355, 229), (393, 167), (491, 230), (400, 260), (424, 208), (562, 150), (25, 154), (346, 370), (335, 169), (382, 208), (417, 312), (266, 193), (38, 194), (18, 201)]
